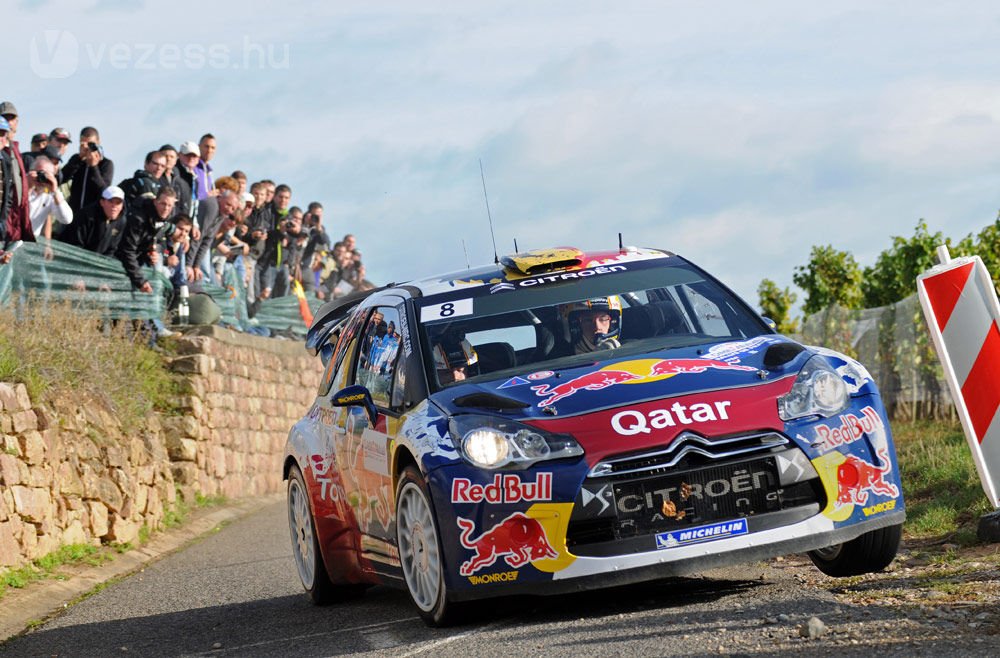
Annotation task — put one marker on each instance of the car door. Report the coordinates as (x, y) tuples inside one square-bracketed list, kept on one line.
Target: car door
[(363, 448)]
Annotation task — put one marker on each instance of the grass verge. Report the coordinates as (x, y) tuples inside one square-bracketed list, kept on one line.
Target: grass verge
[(59, 349), (944, 498), (52, 565)]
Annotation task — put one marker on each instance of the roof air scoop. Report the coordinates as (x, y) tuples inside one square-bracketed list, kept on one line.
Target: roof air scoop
[(542, 260)]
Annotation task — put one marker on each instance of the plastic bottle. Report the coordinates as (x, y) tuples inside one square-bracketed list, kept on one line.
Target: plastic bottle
[(183, 308)]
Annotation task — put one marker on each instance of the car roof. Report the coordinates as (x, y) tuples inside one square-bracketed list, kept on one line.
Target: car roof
[(538, 262)]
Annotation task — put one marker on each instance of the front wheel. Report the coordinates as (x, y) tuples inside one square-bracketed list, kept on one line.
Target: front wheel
[(869, 553), (420, 553)]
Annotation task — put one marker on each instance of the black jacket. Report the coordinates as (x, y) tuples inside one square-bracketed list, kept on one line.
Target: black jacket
[(142, 183), (92, 231), (182, 181), (87, 182), (142, 229)]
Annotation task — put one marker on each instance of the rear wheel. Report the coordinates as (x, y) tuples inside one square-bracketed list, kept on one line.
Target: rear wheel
[(305, 547), (420, 552), (871, 552)]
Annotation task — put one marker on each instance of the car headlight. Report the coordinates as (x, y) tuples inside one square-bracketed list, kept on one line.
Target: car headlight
[(818, 391), (491, 442)]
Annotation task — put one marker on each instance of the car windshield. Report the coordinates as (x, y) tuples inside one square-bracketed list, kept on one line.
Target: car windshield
[(566, 319)]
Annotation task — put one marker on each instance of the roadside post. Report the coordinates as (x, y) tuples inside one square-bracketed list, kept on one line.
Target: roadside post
[(962, 311)]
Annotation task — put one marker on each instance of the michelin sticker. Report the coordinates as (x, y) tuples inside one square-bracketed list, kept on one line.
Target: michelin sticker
[(704, 533)]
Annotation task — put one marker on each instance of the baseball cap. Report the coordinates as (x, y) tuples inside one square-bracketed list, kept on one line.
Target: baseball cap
[(4, 125), (247, 197), (60, 133), (113, 192), (7, 107), (187, 148), (52, 153), (39, 137)]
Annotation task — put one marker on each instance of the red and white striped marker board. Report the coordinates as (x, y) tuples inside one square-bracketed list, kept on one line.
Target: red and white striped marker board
[(960, 304)]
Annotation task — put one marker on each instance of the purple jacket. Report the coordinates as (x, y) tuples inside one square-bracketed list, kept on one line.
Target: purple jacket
[(203, 175)]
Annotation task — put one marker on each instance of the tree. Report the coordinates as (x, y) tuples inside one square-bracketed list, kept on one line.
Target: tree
[(831, 277), (986, 245), (776, 304), (893, 277)]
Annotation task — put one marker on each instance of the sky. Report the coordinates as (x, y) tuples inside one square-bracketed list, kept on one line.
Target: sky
[(735, 134)]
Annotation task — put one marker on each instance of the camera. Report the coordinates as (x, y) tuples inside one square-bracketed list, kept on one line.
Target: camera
[(92, 146), (40, 176)]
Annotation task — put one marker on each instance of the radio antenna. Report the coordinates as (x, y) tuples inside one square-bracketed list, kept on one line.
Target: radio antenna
[(496, 259), (468, 265), (515, 246), (620, 245)]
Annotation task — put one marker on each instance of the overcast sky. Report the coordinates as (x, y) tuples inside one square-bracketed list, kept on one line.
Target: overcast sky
[(736, 134)]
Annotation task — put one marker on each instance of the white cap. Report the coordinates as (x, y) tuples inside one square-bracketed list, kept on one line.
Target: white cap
[(188, 148), (113, 192), (247, 197)]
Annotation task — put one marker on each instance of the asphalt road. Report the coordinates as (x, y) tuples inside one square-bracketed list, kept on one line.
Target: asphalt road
[(235, 593)]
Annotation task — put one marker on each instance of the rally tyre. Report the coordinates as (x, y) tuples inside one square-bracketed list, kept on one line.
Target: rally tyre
[(420, 552), (869, 553), (305, 545)]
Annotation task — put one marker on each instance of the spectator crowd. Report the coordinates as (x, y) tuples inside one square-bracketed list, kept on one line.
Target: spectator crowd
[(175, 214)]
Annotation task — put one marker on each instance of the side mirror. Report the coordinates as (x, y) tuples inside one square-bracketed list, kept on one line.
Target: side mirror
[(769, 322), (356, 396)]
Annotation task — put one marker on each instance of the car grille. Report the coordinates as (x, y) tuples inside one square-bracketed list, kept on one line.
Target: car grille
[(687, 450), (693, 481)]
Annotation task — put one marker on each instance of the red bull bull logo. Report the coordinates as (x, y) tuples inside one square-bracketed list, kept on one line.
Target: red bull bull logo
[(601, 379), (687, 366), (519, 539), (592, 381), (856, 479)]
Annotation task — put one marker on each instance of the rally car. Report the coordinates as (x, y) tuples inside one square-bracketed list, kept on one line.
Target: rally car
[(564, 420)]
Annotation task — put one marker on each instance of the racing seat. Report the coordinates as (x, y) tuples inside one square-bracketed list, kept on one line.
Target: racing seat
[(548, 345), (495, 356), (653, 319)]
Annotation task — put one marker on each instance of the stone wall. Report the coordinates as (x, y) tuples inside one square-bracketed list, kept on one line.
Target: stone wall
[(243, 393), (69, 474)]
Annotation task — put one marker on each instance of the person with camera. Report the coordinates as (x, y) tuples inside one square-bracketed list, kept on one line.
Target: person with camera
[(88, 171), (147, 181), (46, 201), (229, 249)]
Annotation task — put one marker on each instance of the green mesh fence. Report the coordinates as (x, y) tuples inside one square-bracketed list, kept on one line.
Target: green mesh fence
[(894, 344), (59, 272)]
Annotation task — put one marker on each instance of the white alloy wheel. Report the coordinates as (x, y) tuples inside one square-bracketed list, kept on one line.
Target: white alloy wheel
[(419, 552), (300, 525)]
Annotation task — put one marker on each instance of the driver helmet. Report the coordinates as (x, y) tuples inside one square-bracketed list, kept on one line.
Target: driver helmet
[(454, 352), (571, 316)]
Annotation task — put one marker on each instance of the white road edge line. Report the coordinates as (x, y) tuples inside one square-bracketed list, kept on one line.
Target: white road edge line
[(447, 640), (226, 649)]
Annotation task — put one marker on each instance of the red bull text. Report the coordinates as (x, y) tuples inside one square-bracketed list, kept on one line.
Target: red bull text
[(504, 489), (851, 429)]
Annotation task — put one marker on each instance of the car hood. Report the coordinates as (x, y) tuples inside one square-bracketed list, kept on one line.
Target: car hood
[(593, 385)]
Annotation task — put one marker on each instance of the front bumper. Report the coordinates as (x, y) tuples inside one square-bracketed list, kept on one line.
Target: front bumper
[(597, 572)]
